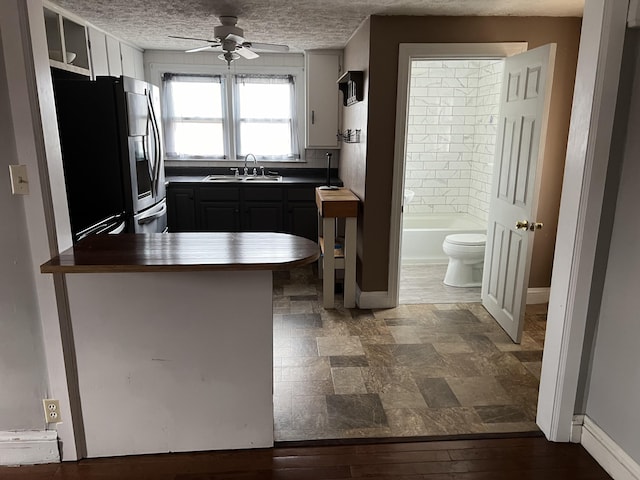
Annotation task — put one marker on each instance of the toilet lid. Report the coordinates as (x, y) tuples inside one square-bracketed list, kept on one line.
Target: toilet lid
[(467, 239)]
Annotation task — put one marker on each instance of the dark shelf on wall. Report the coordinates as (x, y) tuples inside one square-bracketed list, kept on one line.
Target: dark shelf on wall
[(351, 84)]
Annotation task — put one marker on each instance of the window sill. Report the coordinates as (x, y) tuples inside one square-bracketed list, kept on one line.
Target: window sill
[(229, 163)]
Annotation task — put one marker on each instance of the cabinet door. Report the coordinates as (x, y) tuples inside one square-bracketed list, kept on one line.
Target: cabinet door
[(262, 217), (113, 56), (303, 220), (323, 70), (132, 62), (181, 211), (98, 47), (219, 216)]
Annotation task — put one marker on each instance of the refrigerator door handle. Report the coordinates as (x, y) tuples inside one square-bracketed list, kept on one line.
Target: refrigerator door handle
[(155, 162), (157, 151), (153, 213), (118, 229)]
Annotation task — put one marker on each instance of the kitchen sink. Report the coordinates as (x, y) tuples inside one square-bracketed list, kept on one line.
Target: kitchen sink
[(222, 178), (235, 179), (277, 178)]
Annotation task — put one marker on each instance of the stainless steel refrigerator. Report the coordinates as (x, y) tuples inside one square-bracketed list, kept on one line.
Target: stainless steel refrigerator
[(111, 139)]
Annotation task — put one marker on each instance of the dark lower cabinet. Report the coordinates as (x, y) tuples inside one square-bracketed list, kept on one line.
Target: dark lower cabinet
[(302, 212), (303, 220), (232, 208), (262, 217), (219, 216), (181, 209)]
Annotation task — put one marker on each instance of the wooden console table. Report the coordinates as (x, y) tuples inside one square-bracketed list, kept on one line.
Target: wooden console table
[(333, 204)]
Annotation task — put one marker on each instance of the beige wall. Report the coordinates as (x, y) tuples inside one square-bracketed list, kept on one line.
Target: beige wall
[(353, 163), (373, 165)]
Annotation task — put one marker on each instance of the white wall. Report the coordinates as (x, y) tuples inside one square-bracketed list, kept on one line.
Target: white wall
[(156, 61), (613, 391), (453, 107), (22, 366)]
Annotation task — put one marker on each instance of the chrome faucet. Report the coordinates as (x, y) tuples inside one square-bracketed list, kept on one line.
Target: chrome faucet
[(255, 163)]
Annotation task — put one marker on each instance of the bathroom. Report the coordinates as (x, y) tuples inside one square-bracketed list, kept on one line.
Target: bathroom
[(450, 142)]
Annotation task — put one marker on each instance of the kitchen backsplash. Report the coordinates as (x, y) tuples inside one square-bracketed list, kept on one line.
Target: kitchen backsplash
[(451, 133)]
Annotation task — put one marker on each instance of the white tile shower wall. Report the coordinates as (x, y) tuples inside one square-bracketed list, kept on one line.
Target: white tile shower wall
[(487, 112), (441, 134)]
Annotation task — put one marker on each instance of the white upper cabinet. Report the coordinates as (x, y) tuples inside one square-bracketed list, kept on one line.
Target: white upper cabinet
[(79, 47), (67, 43), (113, 56), (322, 103), (98, 49), (132, 61)]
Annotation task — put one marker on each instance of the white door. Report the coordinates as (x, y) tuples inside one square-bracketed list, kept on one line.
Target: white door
[(526, 92)]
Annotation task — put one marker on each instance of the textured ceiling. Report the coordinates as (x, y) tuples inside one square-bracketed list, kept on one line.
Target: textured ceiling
[(301, 24)]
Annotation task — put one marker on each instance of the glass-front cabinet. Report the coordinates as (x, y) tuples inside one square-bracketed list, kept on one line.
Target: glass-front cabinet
[(67, 43)]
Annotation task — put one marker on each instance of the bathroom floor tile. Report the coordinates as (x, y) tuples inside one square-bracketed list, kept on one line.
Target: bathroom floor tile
[(440, 366)]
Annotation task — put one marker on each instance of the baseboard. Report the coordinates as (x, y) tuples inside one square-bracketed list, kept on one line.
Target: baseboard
[(608, 453), (538, 295), (373, 299), (29, 447), (576, 429)]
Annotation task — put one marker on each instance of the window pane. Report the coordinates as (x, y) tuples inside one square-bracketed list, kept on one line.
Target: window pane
[(259, 100), (273, 139), (199, 139), (197, 99)]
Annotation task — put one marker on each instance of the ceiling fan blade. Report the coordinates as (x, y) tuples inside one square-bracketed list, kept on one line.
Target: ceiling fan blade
[(235, 38), (266, 46), (246, 53), (200, 49), (193, 38)]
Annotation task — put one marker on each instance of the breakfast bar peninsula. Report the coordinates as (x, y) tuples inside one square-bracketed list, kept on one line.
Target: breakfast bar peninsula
[(173, 337)]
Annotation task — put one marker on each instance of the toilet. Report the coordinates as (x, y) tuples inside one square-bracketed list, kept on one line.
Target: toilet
[(466, 258)]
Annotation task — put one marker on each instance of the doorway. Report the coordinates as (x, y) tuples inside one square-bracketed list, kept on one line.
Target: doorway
[(450, 135)]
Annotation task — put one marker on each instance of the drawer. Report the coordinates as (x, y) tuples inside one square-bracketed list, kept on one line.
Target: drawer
[(300, 194), (266, 193), (219, 192)]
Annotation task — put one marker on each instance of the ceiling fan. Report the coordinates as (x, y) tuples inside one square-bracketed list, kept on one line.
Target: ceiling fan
[(229, 38)]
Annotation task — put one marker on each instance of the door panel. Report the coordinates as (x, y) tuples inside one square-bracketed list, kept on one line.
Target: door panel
[(520, 144)]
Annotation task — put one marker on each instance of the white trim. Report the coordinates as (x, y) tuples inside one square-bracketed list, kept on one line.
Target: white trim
[(538, 295), (29, 447), (608, 453), (408, 51), (594, 103), (380, 299), (576, 429), (157, 68)]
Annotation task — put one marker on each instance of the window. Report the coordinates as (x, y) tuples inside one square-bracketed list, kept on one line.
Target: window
[(193, 116), (228, 116)]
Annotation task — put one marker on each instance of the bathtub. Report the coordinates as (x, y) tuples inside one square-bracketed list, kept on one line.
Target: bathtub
[(423, 234)]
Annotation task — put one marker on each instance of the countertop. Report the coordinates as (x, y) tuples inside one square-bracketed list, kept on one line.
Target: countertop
[(286, 180), (184, 252), (290, 176)]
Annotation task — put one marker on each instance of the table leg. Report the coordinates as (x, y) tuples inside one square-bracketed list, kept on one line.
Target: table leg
[(328, 282), (350, 262)]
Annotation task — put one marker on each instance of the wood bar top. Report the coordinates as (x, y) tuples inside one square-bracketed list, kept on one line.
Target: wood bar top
[(184, 252), (337, 203)]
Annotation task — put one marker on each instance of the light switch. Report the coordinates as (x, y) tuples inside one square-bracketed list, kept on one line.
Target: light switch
[(19, 179)]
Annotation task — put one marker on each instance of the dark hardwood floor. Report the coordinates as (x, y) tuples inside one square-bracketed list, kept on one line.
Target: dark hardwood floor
[(493, 459)]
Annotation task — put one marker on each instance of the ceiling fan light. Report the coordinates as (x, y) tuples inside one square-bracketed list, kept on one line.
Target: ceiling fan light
[(229, 57)]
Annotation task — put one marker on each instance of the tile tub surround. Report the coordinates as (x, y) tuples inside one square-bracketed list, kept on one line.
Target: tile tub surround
[(411, 371), (451, 132)]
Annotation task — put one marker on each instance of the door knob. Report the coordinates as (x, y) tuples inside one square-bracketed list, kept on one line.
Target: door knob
[(522, 225), (536, 226)]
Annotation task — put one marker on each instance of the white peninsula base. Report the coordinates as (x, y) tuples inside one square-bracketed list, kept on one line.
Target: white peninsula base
[(173, 361)]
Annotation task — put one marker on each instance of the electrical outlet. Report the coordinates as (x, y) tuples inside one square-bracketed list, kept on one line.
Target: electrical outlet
[(51, 410)]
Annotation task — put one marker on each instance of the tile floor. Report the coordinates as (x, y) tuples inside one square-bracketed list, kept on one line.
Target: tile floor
[(414, 370), (423, 284)]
